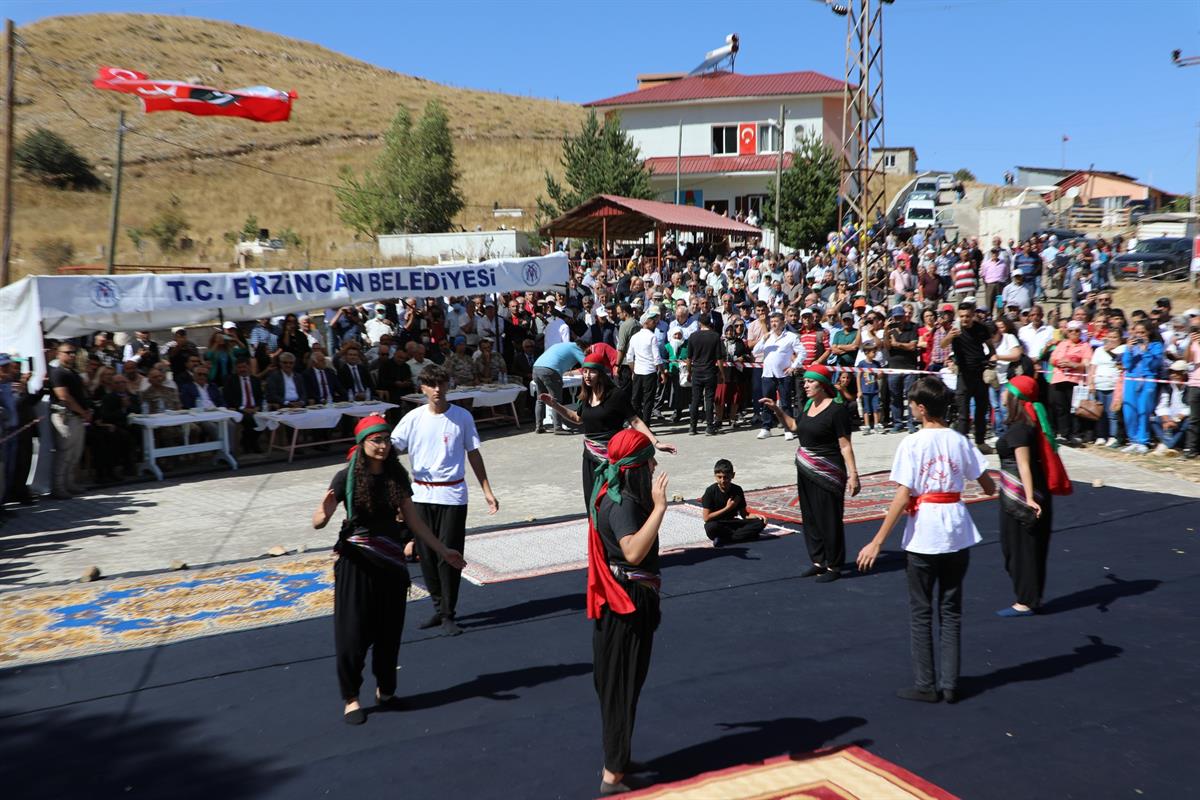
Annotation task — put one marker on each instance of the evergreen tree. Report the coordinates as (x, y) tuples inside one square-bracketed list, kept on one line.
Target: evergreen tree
[(413, 184), (600, 159), (809, 190), (433, 198), (44, 155)]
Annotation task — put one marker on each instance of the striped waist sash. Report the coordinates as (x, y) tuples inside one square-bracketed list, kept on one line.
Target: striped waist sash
[(649, 579), (822, 470), (381, 547), (597, 449), (1012, 488)]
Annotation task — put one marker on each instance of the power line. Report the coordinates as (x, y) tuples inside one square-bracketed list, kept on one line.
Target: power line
[(204, 153)]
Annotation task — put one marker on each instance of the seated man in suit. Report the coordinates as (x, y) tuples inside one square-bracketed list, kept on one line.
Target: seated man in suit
[(395, 376), (199, 393), (243, 392), (285, 387), (355, 376), (321, 381)]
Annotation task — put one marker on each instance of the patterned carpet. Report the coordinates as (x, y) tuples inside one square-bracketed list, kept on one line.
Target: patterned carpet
[(779, 502), (82, 619), (848, 773)]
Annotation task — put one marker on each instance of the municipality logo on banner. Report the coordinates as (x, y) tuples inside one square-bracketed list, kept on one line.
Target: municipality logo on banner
[(532, 273), (105, 293)]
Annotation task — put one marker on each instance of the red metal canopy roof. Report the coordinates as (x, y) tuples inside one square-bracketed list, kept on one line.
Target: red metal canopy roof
[(628, 218), (707, 165), (728, 84)]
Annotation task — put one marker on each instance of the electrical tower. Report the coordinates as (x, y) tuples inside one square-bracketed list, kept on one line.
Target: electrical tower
[(861, 194)]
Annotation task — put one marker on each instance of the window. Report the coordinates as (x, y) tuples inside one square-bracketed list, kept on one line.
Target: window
[(724, 140), (889, 160), (768, 138)]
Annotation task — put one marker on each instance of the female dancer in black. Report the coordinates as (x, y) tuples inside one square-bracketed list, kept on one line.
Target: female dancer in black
[(824, 468), (1030, 473), (370, 576), (623, 584), (603, 410)]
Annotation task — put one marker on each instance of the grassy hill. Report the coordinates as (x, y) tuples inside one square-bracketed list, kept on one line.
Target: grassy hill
[(504, 143)]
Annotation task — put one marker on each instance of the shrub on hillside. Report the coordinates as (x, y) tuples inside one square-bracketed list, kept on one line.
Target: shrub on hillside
[(45, 156), (170, 223), (54, 253)]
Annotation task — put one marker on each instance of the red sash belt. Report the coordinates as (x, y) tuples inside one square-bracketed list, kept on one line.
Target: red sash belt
[(439, 483), (931, 497)]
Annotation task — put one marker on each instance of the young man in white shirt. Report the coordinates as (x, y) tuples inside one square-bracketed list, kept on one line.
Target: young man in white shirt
[(439, 439), (648, 368), (779, 352), (931, 468)]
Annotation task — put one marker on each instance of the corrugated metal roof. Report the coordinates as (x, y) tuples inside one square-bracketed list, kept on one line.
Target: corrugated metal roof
[(707, 165), (728, 84), (630, 218)]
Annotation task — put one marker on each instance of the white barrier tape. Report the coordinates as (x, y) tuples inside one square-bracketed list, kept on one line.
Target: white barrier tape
[(894, 371)]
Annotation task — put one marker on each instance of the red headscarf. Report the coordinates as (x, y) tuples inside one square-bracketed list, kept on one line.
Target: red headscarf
[(1025, 389), (602, 357), (627, 449)]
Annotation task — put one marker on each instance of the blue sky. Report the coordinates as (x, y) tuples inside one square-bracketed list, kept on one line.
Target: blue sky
[(982, 84)]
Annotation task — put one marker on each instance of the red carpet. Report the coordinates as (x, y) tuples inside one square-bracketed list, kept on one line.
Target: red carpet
[(779, 503), (847, 773)]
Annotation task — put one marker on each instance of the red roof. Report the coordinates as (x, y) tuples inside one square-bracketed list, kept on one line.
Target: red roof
[(707, 165), (728, 84), (628, 218)]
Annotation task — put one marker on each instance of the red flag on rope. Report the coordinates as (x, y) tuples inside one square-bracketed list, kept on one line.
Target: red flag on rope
[(259, 103)]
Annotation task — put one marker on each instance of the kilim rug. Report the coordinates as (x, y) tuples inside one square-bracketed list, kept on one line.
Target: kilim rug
[(58, 622), (848, 773), (780, 503)]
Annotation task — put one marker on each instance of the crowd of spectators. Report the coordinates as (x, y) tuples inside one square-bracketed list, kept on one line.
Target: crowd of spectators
[(975, 313)]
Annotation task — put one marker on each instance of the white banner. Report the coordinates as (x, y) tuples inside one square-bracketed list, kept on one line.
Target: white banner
[(75, 305)]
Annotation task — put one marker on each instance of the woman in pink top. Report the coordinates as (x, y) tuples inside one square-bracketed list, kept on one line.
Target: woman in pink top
[(1192, 444), (1070, 360)]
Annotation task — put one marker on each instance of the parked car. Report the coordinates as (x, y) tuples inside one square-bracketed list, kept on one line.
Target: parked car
[(1166, 256)]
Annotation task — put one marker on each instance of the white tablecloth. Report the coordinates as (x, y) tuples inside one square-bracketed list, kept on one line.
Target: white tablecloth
[(571, 380), (315, 417), (504, 395), (169, 420)]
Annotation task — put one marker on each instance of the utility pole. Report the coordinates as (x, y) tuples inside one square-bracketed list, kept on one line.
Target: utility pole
[(10, 86), (678, 163), (779, 183), (116, 194)]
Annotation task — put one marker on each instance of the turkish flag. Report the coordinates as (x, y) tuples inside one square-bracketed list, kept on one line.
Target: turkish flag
[(747, 139), (259, 103)]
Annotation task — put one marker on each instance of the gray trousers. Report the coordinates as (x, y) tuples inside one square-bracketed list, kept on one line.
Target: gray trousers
[(549, 381), (945, 571), (69, 436)]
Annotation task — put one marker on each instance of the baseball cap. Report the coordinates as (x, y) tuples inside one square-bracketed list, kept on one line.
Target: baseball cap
[(807, 311), (898, 311), (227, 324), (5, 359), (1164, 302), (1074, 325), (1176, 366), (947, 307), (1192, 312), (601, 311), (847, 315), (650, 314), (178, 329), (860, 302)]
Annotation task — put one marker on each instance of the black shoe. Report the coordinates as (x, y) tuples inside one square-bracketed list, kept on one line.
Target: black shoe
[(432, 622), (675, 420), (920, 695), (1188, 455), (711, 432), (393, 703), (636, 767), (950, 696), (539, 429), (719, 542), (829, 577), (693, 432), (607, 788), (812, 572), (450, 627), (355, 717)]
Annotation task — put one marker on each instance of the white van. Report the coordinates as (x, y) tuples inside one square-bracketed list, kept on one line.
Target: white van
[(920, 213)]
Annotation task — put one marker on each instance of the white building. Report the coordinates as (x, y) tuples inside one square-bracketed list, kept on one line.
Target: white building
[(725, 126), (895, 160)]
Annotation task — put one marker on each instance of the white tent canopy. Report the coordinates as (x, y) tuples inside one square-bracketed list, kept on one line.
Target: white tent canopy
[(62, 306)]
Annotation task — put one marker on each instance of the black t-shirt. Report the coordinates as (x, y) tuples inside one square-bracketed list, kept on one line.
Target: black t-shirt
[(903, 359), (61, 377), (970, 348), (383, 521), (705, 350), (820, 434), (714, 499), (610, 415), (615, 522), (1022, 434)]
